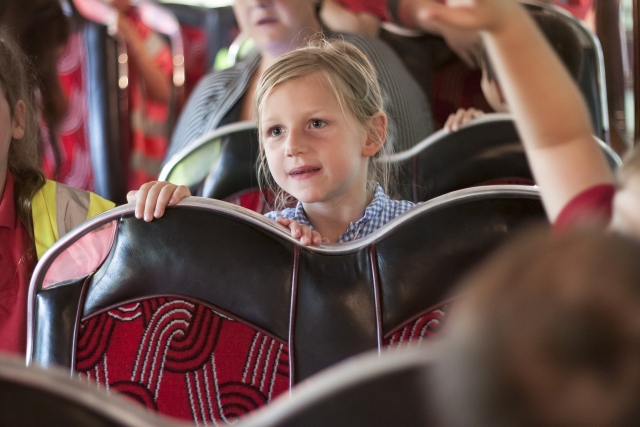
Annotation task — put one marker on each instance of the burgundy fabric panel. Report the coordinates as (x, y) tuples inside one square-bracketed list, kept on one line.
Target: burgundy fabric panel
[(426, 326), (182, 359)]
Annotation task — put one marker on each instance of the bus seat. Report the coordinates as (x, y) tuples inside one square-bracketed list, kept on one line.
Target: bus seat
[(213, 310), (90, 134), (206, 29), (592, 80), (30, 396), (96, 133), (451, 84), (221, 165), (483, 152), (374, 390)]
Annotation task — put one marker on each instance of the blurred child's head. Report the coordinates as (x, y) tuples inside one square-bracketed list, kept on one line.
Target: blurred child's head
[(314, 96), (547, 334), (564, 41), (19, 130)]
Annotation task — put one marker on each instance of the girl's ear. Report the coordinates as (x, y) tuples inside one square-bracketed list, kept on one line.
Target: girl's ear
[(18, 121), (377, 135)]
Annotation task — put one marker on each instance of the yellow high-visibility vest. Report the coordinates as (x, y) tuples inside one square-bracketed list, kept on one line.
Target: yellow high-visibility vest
[(57, 209)]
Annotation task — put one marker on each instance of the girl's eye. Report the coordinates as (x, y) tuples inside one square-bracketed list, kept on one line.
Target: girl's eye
[(317, 123), (275, 131)]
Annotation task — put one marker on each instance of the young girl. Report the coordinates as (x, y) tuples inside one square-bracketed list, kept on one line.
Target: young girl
[(321, 123), (34, 213), (575, 181)]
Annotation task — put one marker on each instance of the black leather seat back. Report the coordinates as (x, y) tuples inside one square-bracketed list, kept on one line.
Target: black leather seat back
[(486, 151), (236, 168), (393, 389), (326, 304), (37, 397)]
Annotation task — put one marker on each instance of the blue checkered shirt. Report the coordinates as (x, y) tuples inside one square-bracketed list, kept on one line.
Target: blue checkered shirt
[(380, 211)]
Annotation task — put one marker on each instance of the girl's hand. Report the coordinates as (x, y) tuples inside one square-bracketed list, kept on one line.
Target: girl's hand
[(461, 118), (479, 15), (301, 232), (153, 197)]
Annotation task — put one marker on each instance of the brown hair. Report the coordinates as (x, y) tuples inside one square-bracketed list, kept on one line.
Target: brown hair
[(23, 160), (353, 81), (547, 334), (41, 29)]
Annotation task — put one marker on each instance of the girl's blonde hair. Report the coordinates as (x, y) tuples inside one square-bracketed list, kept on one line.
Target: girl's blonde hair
[(24, 155), (353, 81)]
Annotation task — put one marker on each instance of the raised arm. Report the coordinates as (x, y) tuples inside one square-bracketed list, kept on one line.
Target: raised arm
[(341, 19), (549, 110)]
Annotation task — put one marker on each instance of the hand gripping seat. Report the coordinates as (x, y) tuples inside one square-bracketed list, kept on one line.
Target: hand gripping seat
[(391, 389), (213, 310), (221, 165), (31, 396), (485, 151)]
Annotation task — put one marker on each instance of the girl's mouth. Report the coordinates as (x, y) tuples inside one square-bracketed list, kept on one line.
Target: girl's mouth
[(304, 172)]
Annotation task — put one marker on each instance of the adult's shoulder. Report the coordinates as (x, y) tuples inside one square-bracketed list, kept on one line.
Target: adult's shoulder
[(374, 48), (219, 80), (406, 104)]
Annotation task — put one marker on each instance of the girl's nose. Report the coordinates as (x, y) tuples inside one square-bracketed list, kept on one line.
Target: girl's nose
[(294, 144)]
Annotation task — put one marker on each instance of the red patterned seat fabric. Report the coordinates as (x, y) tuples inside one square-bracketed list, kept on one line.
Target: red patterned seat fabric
[(182, 359), (425, 326), (75, 167)]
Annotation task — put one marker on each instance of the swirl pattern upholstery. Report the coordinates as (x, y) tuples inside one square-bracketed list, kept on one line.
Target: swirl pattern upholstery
[(213, 310)]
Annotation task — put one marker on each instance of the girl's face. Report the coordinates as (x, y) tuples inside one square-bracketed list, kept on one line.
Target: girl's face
[(10, 127), (626, 207), (316, 151)]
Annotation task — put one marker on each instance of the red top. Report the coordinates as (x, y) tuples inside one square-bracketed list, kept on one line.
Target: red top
[(374, 7), (593, 205), (15, 273)]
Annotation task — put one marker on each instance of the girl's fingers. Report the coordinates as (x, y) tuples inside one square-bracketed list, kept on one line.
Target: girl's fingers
[(141, 198), (449, 123), (180, 192), (164, 197), (458, 118), (283, 221), (152, 200), (294, 226), (132, 196), (306, 237), (316, 239)]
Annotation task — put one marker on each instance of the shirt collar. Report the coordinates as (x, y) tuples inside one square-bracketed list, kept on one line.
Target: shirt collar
[(8, 216), (372, 211), (375, 207)]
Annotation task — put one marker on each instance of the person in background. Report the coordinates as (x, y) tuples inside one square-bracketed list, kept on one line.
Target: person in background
[(35, 212), (576, 184), (545, 333), (414, 14), (150, 71), (41, 29), (354, 16), (563, 40), (278, 27)]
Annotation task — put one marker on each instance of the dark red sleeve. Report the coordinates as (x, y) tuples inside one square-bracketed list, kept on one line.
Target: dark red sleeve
[(593, 205), (374, 7)]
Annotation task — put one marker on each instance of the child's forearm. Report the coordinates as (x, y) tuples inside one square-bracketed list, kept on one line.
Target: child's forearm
[(341, 19), (537, 87), (548, 108), (157, 84)]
